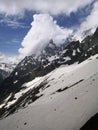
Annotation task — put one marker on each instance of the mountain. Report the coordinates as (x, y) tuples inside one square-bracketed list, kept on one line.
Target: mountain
[(64, 99), (5, 70), (31, 67), (3, 75), (56, 70), (50, 58)]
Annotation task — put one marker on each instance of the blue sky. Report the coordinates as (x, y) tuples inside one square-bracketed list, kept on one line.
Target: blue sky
[(12, 35), (15, 24)]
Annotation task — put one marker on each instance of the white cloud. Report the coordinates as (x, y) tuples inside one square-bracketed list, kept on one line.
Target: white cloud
[(90, 23), (42, 31), (92, 20), (43, 27), (8, 59), (13, 23), (12, 7)]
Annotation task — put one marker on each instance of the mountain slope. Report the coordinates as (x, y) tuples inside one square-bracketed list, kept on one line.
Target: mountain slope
[(32, 67), (50, 58), (67, 99)]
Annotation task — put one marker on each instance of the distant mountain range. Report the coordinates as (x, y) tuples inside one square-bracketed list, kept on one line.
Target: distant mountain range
[(5, 70)]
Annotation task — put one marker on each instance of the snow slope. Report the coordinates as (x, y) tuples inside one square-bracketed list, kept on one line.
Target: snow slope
[(69, 99)]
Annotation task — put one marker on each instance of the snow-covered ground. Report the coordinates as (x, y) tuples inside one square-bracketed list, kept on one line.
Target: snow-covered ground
[(69, 99)]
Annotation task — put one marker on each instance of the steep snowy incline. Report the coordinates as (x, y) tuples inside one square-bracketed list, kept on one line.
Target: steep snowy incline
[(67, 100)]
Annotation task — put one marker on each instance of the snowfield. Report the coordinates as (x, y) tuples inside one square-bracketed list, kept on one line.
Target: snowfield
[(69, 99)]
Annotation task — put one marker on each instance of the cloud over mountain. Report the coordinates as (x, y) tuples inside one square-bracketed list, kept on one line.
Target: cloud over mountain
[(43, 29), (90, 23), (92, 20)]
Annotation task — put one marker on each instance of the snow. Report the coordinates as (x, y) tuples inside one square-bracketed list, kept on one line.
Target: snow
[(26, 64), (90, 49), (15, 81), (52, 58), (66, 110), (16, 73), (67, 58), (64, 51), (10, 103), (7, 67), (2, 66), (34, 82), (74, 53), (78, 50), (85, 54), (29, 85), (5, 101), (8, 98), (66, 76), (3, 104)]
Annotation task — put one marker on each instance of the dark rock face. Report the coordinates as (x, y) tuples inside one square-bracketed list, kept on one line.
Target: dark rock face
[(3, 75), (90, 44), (49, 59), (92, 124), (1, 78)]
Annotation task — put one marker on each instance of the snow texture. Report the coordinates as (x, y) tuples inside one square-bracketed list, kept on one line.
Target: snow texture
[(70, 99)]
